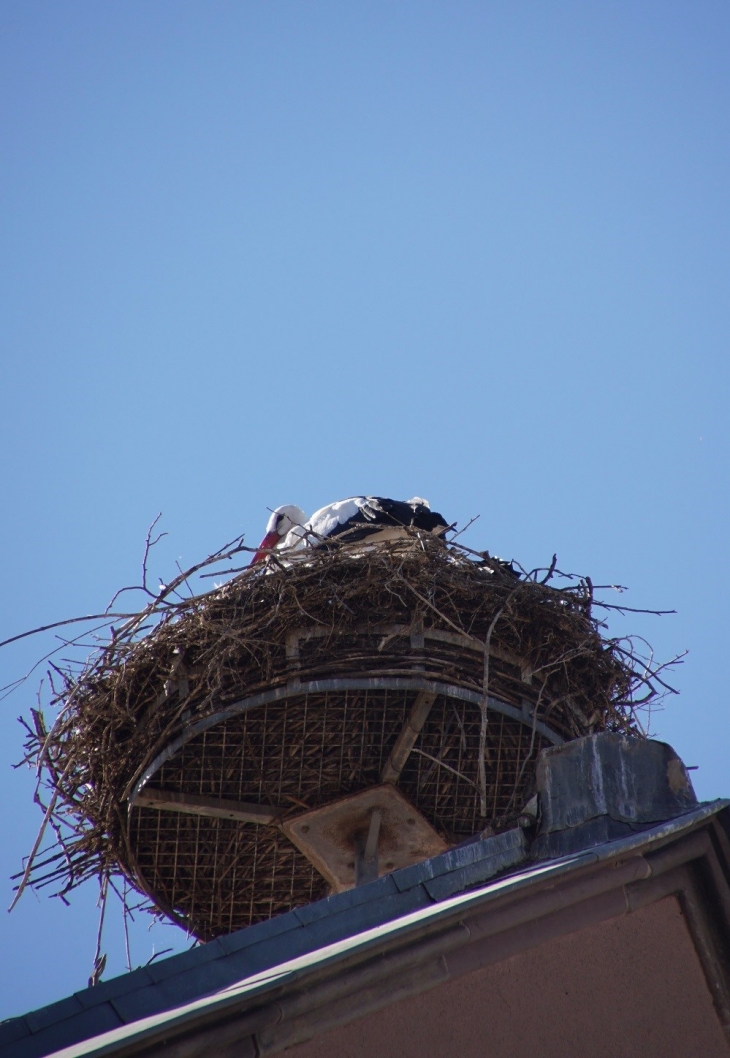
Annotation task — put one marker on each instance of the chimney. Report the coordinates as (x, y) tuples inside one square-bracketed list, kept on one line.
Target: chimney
[(606, 786)]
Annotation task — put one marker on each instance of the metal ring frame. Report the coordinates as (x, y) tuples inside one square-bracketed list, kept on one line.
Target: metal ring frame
[(295, 688)]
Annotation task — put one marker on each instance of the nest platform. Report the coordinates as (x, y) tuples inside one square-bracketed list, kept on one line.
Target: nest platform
[(185, 755)]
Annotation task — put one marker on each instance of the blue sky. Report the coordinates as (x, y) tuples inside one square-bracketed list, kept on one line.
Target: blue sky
[(265, 253)]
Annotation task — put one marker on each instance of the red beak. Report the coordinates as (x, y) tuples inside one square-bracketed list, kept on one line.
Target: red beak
[(265, 547)]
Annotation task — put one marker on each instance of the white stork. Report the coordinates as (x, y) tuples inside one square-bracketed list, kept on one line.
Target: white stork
[(347, 521), (281, 522)]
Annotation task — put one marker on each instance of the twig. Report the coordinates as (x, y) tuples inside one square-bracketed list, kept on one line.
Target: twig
[(99, 960), (467, 526), (39, 837), (61, 624), (551, 570), (442, 764), (148, 545)]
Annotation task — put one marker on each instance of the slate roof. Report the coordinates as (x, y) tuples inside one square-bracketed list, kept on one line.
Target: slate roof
[(262, 956)]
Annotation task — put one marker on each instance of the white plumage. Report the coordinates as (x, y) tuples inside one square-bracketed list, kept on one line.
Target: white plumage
[(347, 520)]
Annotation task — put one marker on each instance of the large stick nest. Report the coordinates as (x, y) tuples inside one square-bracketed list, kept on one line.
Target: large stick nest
[(179, 660)]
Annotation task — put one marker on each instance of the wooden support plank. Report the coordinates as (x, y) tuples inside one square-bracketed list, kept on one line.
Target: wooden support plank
[(197, 805), (407, 738)]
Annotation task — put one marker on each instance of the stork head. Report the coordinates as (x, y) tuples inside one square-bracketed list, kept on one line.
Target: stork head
[(282, 520)]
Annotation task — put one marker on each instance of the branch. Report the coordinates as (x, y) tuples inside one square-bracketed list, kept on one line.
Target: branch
[(148, 545), (62, 624)]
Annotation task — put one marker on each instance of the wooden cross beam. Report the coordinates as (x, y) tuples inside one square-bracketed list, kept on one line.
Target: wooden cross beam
[(407, 738), (197, 805)]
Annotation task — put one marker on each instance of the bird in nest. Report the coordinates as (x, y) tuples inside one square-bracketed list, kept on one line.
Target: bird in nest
[(347, 521)]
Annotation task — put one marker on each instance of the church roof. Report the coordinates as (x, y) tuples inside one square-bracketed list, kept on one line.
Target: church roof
[(408, 918)]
